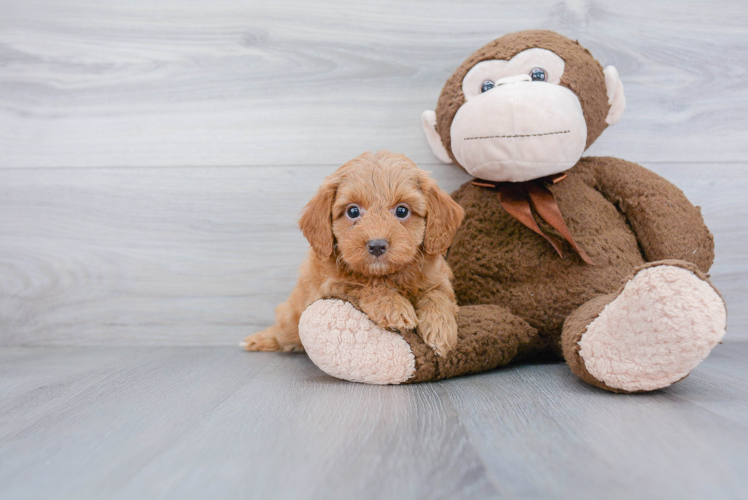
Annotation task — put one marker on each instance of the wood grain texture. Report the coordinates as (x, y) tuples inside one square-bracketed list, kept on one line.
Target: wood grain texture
[(215, 422), (290, 82), (154, 157), (155, 256), (723, 387), (570, 437), (203, 256)]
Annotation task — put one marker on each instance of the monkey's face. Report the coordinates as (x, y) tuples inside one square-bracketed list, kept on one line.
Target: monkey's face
[(517, 122), (527, 112)]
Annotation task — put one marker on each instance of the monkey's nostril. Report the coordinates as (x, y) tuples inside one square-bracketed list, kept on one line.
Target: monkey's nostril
[(377, 247)]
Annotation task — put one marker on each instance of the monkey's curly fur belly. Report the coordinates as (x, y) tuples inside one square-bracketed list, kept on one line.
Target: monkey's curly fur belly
[(497, 260)]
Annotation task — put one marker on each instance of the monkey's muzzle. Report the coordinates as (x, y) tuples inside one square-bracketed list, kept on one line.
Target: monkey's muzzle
[(519, 131)]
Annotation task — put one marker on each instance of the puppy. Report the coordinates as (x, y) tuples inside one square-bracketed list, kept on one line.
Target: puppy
[(378, 227)]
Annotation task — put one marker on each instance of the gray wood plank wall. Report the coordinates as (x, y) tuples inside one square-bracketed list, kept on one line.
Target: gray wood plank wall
[(154, 156)]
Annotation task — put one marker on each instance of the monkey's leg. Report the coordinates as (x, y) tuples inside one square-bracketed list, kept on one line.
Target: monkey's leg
[(663, 322), (344, 343)]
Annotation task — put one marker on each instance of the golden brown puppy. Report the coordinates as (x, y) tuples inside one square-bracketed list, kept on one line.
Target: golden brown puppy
[(378, 227)]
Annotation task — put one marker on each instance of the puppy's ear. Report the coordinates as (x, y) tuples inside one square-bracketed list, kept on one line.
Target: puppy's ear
[(316, 219), (443, 218)]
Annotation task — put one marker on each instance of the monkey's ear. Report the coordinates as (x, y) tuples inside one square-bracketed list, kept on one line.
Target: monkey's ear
[(316, 219), (616, 99), (442, 220), (428, 118)]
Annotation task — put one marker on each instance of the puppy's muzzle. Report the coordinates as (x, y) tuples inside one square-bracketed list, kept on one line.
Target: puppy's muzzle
[(377, 247)]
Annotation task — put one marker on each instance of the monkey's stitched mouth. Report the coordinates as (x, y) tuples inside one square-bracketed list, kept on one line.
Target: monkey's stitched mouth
[(515, 136)]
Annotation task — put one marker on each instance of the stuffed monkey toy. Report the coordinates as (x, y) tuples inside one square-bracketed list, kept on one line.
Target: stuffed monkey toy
[(594, 260)]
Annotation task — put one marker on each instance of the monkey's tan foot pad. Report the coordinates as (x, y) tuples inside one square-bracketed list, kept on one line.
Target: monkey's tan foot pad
[(344, 343), (663, 323)]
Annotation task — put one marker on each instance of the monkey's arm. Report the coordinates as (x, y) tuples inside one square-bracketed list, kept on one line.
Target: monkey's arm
[(667, 225)]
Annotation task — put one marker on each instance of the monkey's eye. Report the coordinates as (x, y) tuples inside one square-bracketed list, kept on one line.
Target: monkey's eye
[(538, 75), (486, 86), (401, 212), (353, 212)]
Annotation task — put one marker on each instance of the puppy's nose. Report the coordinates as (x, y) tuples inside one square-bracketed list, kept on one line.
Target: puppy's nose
[(377, 247)]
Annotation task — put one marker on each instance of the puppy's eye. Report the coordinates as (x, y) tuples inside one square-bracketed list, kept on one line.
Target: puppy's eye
[(486, 86), (401, 212), (538, 75), (353, 212)]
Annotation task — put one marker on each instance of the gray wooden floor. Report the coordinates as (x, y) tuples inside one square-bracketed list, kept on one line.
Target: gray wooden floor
[(215, 422)]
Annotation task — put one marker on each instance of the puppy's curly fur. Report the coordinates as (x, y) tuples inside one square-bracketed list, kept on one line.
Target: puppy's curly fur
[(366, 249)]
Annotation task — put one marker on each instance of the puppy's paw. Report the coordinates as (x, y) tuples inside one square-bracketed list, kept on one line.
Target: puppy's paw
[(264, 340), (395, 312), (438, 329)]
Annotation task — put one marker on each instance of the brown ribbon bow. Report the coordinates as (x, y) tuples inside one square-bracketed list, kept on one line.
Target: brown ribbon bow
[(519, 199)]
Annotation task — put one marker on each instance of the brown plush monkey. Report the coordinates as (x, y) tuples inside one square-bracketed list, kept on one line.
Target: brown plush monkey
[(595, 260)]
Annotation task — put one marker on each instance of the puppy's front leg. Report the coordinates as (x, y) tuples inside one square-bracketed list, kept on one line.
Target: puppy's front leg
[(437, 325), (388, 309)]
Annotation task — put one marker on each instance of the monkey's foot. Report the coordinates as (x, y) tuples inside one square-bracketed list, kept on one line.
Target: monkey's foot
[(343, 342), (346, 344), (652, 333)]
